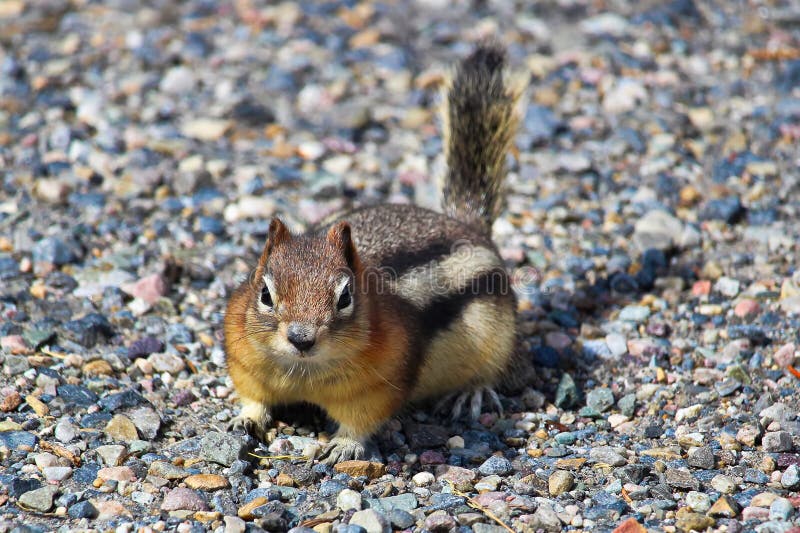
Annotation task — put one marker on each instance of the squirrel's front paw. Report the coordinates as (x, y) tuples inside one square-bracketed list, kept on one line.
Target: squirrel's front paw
[(341, 449), (255, 421)]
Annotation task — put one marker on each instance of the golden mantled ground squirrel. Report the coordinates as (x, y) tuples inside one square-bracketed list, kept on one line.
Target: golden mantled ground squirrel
[(390, 304)]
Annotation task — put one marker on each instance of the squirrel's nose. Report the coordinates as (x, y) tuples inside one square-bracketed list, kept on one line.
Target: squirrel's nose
[(300, 335)]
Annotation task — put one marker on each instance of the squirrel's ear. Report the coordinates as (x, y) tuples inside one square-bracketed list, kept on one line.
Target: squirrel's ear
[(277, 234), (340, 236)]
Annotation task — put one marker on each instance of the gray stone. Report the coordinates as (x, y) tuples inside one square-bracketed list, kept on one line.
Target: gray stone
[(15, 365), (600, 399), (627, 404), (607, 455), (727, 286), (480, 527), (617, 344), (682, 479), (166, 470), (634, 313), (724, 484), (372, 521), (567, 394), (112, 454), (57, 473), (401, 519), (406, 502), (781, 509), (40, 499), (234, 524), (657, 229), (221, 448), (440, 521), (495, 465), (65, 431), (702, 457), (146, 421), (545, 518), (348, 499), (777, 441), (790, 478), (57, 251), (698, 501)]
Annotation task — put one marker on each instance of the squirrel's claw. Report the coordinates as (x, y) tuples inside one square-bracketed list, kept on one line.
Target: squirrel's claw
[(341, 449), (476, 398), (249, 426)]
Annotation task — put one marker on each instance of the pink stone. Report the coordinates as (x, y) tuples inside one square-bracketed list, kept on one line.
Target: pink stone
[(557, 340), (431, 457), (785, 355), (14, 344), (181, 498), (487, 419), (462, 478), (638, 347), (513, 254), (701, 288), (746, 308), (108, 510), (412, 177), (488, 498), (755, 513), (116, 473), (149, 288)]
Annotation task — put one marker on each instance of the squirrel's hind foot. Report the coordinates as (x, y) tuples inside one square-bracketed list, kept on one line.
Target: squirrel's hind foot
[(341, 449), (476, 399)]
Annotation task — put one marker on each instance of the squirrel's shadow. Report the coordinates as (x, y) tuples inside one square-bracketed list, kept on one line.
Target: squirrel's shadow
[(584, 311)]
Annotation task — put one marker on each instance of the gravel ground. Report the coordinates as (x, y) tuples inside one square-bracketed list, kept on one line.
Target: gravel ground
[(655, 193)]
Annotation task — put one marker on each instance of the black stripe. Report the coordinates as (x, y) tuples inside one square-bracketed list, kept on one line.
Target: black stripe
[(443, 310), (403, 260)]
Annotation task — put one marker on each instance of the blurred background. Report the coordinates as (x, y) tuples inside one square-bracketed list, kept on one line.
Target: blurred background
[(655, 192)]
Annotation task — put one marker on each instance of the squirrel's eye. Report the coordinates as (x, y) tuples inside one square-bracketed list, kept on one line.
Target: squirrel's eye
[(344, 299), (266, 297)]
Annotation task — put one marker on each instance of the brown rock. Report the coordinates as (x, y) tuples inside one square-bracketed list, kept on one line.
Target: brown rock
[(460, 478), (763, 499), (284, 480), (38, 406), (574, 463), (748, 434), (207, 482), (688, 521), (11, 402), (725, 507), (360, 468), (120, 428), (245, 512), (207, 516), (630, 526), (98, 367), (560, 481)]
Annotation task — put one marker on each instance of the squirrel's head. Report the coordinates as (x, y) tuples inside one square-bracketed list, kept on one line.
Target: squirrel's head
[(306, 303)]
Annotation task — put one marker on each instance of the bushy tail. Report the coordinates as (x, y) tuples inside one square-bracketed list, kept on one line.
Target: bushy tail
[(480, 118)]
